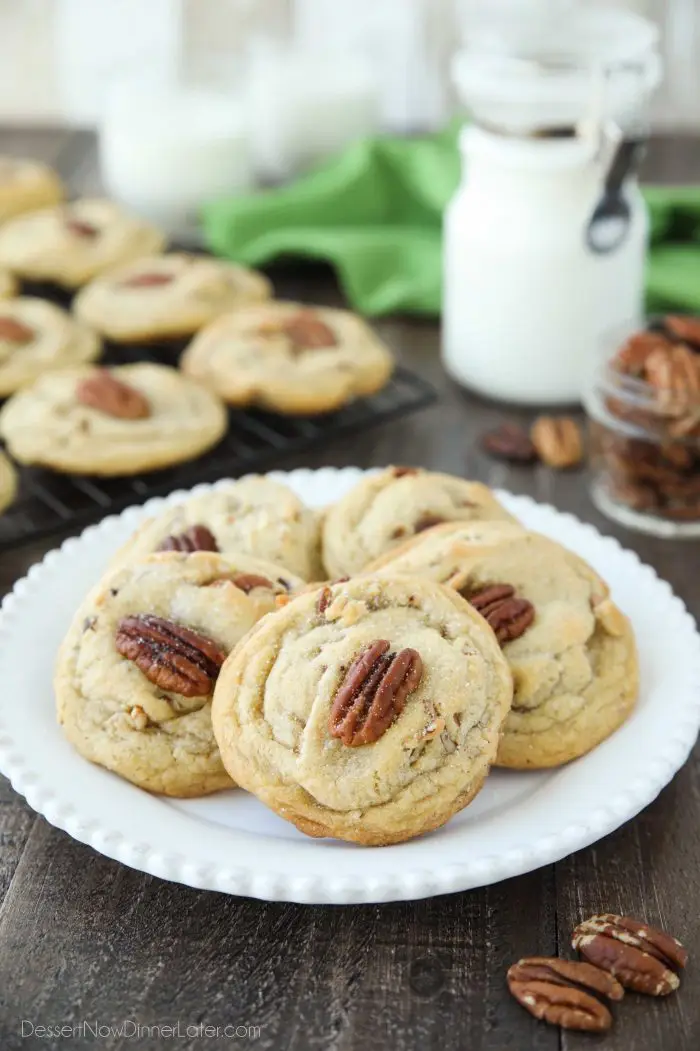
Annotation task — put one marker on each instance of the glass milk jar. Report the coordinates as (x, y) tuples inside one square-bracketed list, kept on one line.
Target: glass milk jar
[(545, 239)]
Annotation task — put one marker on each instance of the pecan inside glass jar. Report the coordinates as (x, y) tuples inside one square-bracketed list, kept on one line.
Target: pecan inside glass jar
[(644, 409)]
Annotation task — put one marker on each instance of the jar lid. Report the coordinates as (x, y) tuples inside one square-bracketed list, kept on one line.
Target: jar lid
[(540, 65)]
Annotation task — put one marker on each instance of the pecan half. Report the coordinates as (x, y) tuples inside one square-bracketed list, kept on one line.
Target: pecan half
[(557, 440), (404, 472), (172, 657), (566, 972), (14, 331), (306, 331), (638, 955), (427, 522), (561, 1004), (325, 597), (675, 373), (104, 392), (508, 615), (632, 356), (80, 227), (249, 581), (153, 279), (683, 327), (509, 442), (196, 538), (373, 693)]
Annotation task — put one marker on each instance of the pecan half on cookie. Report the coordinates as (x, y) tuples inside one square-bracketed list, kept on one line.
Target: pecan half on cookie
[(373, 693), (196, 538), (639, 956), (508, 615), (169, 655), (107, 394)]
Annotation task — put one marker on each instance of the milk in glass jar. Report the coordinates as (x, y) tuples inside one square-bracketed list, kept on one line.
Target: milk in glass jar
[(545, 239)]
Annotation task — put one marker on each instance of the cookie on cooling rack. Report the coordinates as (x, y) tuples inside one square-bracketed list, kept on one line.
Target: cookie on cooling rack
[(256, 515), (116, 421), (25, 186), (36, 336), (167, 297), (368, 710), (8, 284), (289, 358), (570, 649), (136, 671), (383, 510), (8, 482), (72, 243)]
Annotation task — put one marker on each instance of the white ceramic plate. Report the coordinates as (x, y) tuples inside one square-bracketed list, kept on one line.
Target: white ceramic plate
[(230, 842)]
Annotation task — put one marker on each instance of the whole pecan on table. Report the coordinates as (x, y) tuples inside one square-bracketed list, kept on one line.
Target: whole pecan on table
[(14, 331), (171, 656), (557, 440), (373, 693), (196, 538), (508, 615), (640, 957), (511, 442), (561, 992)]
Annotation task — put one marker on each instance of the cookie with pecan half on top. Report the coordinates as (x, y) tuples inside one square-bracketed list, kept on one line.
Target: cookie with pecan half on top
[(368, 710), (570, 649), (136, 672)]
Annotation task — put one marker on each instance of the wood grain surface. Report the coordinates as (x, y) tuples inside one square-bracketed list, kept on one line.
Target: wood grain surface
[(84, 939)]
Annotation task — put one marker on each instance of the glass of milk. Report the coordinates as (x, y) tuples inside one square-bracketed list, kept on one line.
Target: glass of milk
[(166, 146)]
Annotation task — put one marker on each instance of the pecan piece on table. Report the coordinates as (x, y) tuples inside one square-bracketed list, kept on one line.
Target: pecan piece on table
[(153, 279), (508, 615), (373, 693), (639, 956), (172, 657), (196, 538), (14, 331), (107, 394), (557, 440), (557, 991), (509, 442)]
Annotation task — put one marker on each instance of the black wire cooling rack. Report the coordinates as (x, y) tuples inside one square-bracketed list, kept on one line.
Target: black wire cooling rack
[(49, 502)]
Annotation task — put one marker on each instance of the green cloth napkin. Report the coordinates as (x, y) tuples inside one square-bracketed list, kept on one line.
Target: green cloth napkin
[(375, 214)]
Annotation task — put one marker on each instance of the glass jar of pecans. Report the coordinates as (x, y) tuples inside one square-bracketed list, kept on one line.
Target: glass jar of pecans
[(643, 402)]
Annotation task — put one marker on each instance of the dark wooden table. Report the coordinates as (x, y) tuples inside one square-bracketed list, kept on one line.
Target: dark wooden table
[(83, 938)]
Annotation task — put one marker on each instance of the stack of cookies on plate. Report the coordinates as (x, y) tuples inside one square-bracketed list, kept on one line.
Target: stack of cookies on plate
[(358, 669), (67, 413)]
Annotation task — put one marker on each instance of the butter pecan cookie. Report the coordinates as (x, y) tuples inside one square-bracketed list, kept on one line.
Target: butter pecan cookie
[(289, 358), (111, 421), (167, 297), (25, 186), (256, 515), (383, 510), (368, 710), (8, 284), (36, 336), (70, 244), (136, 671), (570, 649), (8, 482)]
